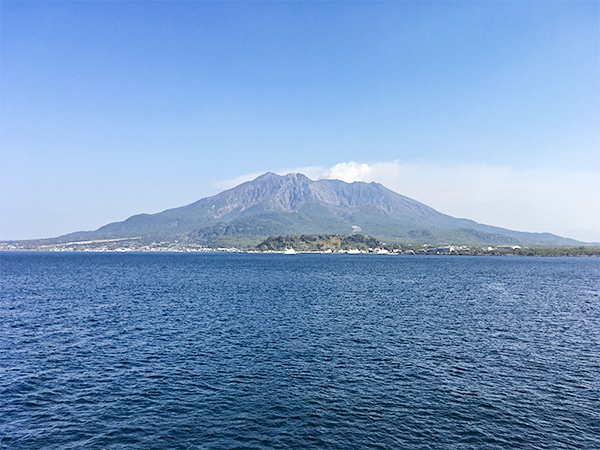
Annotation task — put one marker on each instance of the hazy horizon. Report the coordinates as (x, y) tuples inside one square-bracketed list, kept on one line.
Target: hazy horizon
[(484, 110)]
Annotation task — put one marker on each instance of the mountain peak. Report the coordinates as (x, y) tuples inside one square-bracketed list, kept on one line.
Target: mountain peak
[(288, 177), (273, 204), (266, 176)]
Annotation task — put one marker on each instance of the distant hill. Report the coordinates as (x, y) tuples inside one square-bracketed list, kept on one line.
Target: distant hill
[(274, 205), (318, 243)]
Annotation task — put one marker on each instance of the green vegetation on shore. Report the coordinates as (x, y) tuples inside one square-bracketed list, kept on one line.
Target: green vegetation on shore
[(318, 242), (550, 251)]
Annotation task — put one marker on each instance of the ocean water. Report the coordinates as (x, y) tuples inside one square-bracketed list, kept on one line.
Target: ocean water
[(226, 351)]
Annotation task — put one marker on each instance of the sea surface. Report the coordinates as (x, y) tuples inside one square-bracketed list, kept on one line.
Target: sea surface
[(257, 351)]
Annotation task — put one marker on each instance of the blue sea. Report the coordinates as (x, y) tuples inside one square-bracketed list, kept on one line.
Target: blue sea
[(270, 351)]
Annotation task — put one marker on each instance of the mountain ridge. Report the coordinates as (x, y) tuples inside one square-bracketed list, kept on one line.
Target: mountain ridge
[(289, 204)]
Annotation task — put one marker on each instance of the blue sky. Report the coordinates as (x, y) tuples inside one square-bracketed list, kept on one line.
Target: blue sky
[(485, 110)]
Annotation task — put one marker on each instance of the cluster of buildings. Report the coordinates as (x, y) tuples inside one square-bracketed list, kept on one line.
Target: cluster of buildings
[(132, 245), (444, 250), (113, 245)]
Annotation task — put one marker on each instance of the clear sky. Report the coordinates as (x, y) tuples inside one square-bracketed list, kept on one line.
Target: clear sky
[(485, 110)]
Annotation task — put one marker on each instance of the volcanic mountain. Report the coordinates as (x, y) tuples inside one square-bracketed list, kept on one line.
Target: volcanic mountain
[(294, 204)]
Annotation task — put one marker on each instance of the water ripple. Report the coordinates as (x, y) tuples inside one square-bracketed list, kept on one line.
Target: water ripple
[(313, 351)]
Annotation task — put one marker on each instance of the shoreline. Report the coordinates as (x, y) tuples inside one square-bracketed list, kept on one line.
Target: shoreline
[(238, 251)]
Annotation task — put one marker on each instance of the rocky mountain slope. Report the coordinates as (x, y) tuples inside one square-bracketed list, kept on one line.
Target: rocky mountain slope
[(293, 204)]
